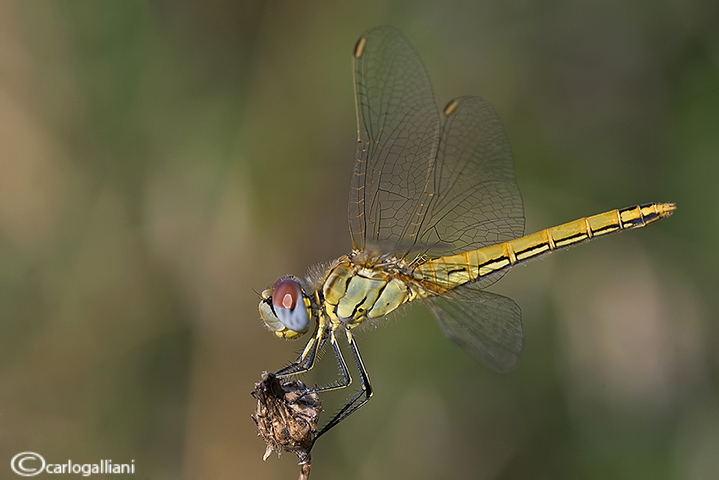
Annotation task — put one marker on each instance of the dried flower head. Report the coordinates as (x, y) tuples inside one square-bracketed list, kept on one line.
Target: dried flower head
[(286, 416)]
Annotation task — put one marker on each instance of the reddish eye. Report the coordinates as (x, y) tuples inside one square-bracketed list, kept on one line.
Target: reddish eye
[(286, 294), (289, 306)]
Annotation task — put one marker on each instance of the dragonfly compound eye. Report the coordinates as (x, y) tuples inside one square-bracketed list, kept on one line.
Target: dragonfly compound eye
[(288, 303), (285, 308)]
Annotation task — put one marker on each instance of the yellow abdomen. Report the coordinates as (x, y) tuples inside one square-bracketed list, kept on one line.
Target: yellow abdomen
[(354, 292), (455, 270)]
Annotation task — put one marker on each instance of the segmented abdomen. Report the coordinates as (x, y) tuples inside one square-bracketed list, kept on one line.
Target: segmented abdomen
[(455, 270)]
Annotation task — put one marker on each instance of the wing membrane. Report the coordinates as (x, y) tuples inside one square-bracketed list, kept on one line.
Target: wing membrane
[(476, 201), (425, 182), (398, 134), (486, 325)]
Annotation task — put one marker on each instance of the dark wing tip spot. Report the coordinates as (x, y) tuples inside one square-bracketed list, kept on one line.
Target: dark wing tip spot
[(450, 108), (359, 47)]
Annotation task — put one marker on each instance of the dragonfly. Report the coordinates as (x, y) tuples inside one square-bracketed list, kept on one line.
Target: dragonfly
[(435, 216)]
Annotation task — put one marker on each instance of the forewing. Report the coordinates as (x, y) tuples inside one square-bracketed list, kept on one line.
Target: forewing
[(398, 133), (476, 201), (486, 325)]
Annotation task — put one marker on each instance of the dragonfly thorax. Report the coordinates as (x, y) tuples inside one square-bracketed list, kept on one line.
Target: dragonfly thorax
[(355, 289)]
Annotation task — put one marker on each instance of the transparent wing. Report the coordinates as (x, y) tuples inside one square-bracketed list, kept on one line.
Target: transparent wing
[(413, 190), (475, 199), (398, 134), (486, 325)]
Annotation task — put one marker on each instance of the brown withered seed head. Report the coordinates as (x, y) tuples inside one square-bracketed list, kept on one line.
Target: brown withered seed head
[(286, 419)]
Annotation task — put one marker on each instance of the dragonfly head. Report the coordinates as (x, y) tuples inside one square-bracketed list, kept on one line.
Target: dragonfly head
[(285, 308)]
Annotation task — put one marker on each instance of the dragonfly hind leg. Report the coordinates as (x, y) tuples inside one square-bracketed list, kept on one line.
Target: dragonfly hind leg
[(361, 397), (306, 361)]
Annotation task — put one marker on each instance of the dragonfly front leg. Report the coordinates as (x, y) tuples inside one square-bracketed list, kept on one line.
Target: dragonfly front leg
[(306, 360), (344, 382)]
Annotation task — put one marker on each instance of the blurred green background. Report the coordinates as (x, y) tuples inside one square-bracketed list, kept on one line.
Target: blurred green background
[(161, 162)]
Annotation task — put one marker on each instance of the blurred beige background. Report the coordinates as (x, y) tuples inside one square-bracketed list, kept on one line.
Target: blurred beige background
[(161, 162)]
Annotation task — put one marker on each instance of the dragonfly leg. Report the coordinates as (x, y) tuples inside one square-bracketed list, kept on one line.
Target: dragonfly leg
[(346, 379), (361, 397), (306, 360), (344, 382)]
